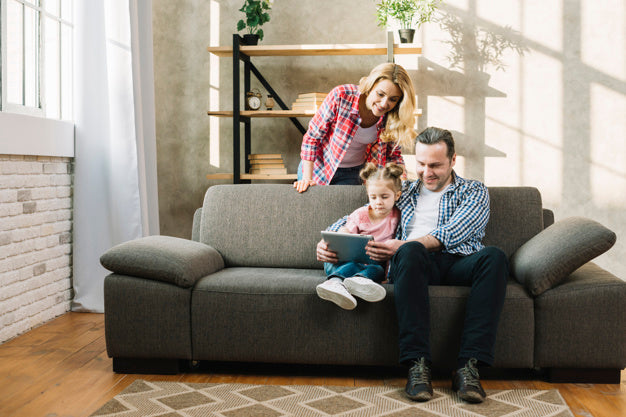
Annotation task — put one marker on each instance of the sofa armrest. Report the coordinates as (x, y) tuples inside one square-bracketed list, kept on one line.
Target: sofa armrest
[(163, 258), (553, 254)]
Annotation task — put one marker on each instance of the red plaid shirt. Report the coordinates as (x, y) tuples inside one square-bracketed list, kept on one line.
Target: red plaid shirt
[(331, 130)]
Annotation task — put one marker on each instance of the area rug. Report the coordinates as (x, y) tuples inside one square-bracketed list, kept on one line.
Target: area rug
[(177, 399)]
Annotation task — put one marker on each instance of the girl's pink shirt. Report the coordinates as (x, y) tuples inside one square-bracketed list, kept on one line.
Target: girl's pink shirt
[(359, 223)]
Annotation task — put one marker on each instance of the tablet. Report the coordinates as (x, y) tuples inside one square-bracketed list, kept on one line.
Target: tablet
[(349, 247)]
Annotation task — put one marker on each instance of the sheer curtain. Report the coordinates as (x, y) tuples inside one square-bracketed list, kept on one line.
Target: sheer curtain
[(115, 191)]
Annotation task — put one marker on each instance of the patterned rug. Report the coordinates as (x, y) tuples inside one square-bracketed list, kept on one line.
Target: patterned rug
[(176, 399)]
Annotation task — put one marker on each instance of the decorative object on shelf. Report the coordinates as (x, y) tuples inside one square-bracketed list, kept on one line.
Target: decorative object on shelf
[(257, 13), (269, 102), (411, 14), (253, 99), (267, 163), (308, 102)]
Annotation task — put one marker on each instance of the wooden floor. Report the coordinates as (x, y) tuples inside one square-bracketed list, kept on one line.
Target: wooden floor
[(61, 369)]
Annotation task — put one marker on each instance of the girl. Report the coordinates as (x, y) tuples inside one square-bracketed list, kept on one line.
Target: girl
[(358, 124), (379, 218)]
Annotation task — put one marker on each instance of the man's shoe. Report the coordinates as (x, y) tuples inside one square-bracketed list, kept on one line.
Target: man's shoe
[(333, 290), (467, 382), (418, 385), (365, 288)]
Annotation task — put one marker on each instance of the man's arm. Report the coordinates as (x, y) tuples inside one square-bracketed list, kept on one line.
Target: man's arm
[(383, 251)]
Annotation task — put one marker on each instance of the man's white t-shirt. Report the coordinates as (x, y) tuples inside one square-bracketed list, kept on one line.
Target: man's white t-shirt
[(426, 214)]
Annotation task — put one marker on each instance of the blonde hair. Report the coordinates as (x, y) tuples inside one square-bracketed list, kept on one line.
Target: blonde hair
[(400, 120), (390, 172)]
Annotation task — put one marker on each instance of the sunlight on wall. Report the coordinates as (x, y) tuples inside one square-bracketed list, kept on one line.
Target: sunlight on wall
[(608, 147), (608, 58), (542, 124), (214, 86), (543, 23)]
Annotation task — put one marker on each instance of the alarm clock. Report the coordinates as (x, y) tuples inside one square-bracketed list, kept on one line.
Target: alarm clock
[(253, 99)]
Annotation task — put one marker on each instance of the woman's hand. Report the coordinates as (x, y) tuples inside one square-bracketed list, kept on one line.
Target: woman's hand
[(303, 185), (324, 254), (383, 251)]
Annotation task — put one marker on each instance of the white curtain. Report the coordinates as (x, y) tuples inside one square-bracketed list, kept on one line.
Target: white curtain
[(115, 189)]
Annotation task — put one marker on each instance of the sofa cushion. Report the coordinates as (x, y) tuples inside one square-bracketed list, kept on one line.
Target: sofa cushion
[(515, 217), (163, 258), (552, 255), (272, 225)]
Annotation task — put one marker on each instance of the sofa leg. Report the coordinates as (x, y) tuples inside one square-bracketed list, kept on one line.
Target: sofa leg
[(584, 375), (146, 366)]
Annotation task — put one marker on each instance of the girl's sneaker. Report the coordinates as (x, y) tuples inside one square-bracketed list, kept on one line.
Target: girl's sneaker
[(333, 290), (365, 288)]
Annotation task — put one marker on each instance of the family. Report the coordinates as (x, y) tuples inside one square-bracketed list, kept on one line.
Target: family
[(426, 232)]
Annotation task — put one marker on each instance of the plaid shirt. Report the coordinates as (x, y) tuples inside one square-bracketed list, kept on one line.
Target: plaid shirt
[(463, 215), (331, 130)]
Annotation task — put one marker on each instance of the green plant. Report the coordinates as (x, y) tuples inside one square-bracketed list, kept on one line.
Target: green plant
[(256, 12), (409, 13)]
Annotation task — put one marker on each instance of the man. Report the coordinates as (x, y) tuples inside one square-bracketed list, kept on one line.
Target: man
[(439, 242)]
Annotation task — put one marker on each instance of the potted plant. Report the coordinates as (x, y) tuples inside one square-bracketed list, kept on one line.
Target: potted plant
[(257, 13), (411, 14)]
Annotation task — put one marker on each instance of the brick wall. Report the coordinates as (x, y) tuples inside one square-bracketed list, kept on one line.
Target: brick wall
[(35, 241)]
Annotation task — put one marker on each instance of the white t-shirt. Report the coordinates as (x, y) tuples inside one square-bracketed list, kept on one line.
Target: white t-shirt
[(355, 154), (426, 214)]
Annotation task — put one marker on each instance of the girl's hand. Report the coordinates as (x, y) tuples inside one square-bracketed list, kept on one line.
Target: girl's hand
[(303, 185), (343, 229), (324, 254)]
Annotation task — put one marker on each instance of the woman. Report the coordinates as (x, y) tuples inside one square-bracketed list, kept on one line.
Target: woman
[(358, 124)]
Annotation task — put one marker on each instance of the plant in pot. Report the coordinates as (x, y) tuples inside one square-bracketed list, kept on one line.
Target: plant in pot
[(257, 13), (410, 14)]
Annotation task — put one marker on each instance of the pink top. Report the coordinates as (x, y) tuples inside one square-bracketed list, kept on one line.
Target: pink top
[(359, 223)]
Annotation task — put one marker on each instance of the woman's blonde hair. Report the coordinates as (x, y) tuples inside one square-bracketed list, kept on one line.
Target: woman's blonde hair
[(400, 120), (391, 172)]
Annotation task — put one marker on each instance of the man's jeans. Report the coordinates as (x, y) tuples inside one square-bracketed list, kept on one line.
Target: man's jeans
[(413, 269)]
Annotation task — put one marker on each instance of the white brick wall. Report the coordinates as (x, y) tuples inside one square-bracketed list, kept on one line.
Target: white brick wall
[(35, 241)]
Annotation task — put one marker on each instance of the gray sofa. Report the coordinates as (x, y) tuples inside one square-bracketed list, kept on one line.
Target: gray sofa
[(243, 290)]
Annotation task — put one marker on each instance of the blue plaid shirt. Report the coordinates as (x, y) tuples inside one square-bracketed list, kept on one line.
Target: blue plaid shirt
[(463, 214)]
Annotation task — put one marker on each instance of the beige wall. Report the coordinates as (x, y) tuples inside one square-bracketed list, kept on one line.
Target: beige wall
[(553, 118)]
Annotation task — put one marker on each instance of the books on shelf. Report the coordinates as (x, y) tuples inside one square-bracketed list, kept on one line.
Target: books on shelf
[(268, 163), (308, 102)]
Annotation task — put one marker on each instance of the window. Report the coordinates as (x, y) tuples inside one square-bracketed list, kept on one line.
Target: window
[(37, 47)]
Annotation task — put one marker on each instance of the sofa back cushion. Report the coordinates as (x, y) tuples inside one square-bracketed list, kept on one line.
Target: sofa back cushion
[(515, 217), (272, 225)]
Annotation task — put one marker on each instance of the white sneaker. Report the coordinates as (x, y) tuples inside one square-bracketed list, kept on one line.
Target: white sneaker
[(333, 290), (365, 288)]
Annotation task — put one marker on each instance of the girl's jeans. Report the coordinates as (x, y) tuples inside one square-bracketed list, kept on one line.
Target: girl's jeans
[(342, 270)]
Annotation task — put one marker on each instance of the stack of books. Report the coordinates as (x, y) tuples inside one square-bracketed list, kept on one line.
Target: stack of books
[(266, 163), (308, 102)]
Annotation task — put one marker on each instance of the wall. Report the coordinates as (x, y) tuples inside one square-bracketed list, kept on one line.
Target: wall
[(548, 113), (35, 241)]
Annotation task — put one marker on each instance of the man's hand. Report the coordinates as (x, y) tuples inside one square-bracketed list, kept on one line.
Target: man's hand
[(383, 251), (324, 254)]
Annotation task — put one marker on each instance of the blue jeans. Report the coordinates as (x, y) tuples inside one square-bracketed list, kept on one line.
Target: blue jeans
[(343, 176), (342, 270), (413, 269)]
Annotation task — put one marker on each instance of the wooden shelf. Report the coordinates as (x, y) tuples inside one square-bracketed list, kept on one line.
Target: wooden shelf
[(317, 50), (263, 113), (229, 176), (272, 113)]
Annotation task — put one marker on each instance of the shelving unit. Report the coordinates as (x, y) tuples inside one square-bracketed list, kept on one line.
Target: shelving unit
[(241, 52)]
